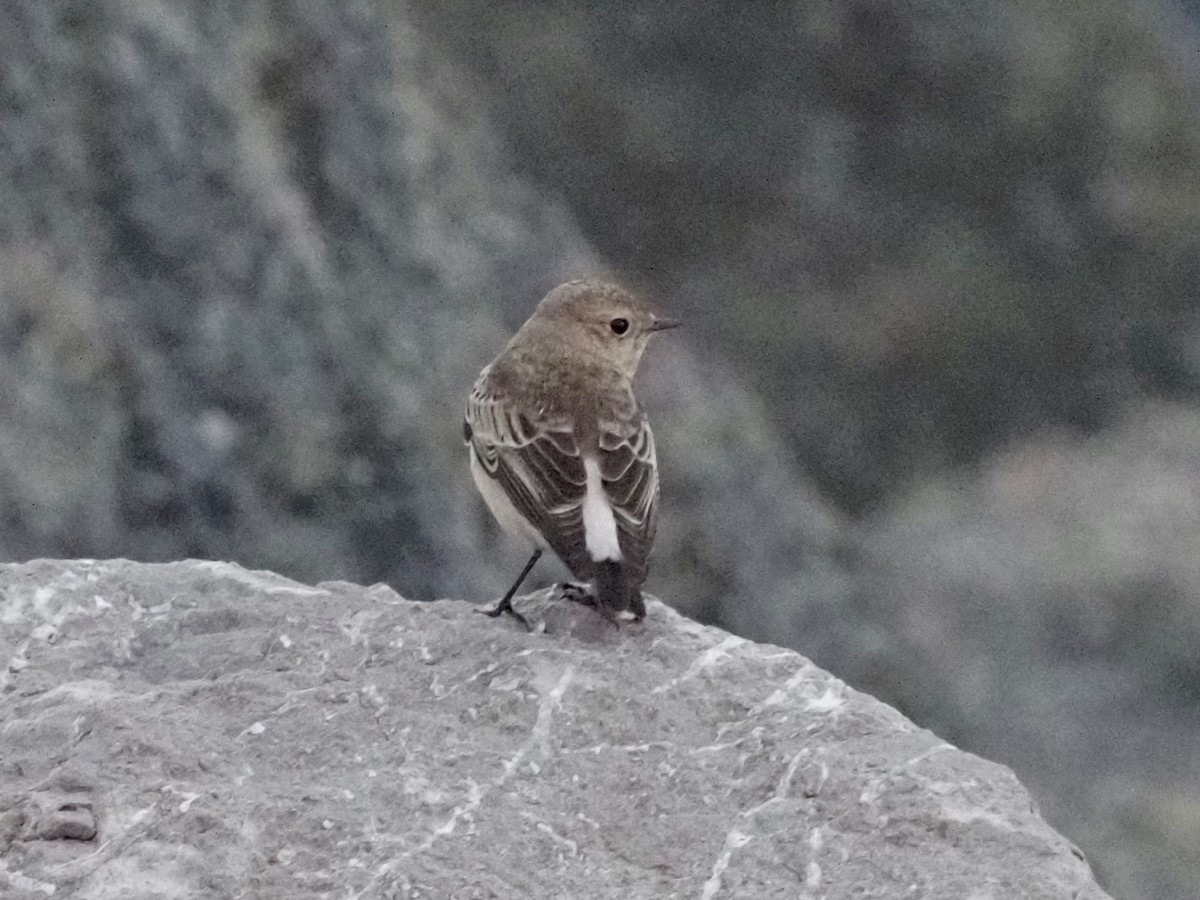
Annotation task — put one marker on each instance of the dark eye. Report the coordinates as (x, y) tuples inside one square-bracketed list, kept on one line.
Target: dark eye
[(619, 326)]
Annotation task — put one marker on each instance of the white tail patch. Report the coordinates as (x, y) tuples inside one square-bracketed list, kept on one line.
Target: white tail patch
[(599, 524)]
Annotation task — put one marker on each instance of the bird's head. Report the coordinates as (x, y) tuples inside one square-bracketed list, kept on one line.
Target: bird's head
[(602, 319)]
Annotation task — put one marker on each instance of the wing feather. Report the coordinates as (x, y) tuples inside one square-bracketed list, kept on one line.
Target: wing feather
[(539, 465), (629, 468)]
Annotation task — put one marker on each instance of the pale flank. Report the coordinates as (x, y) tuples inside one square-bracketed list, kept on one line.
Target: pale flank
[(501, 507)]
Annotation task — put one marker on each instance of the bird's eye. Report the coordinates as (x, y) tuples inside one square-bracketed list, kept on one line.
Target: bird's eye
[(619, 326)]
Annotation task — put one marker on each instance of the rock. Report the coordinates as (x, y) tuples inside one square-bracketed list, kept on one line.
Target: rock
[(233, 731), (1044, 612), (69, 822), (12, 818)]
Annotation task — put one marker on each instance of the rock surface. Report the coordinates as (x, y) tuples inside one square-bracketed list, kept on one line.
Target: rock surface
[(198, 729)]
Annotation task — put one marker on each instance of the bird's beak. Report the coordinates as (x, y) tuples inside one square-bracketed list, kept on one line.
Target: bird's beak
[(664, 324)]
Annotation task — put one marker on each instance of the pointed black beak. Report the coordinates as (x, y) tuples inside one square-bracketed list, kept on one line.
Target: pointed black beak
[(664, 324)]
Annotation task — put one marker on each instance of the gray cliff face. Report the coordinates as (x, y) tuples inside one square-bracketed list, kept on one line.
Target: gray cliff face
[(923, 229), (253, 257), (198, 729), (242, 251)]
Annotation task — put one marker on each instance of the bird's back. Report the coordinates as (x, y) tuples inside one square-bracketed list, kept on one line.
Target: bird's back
[(533, 425)]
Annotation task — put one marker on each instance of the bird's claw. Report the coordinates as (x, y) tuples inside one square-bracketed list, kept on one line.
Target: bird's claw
[(578, 593), (505, 606)]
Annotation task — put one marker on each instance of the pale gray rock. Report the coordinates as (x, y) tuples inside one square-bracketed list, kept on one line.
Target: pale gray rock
[(233, 733)]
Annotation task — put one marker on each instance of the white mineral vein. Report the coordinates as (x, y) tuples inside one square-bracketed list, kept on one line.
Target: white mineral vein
[(539, 737), (735, 838), (705, 660)]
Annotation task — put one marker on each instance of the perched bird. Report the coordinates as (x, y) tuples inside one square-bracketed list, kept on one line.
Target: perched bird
[(560, 449)]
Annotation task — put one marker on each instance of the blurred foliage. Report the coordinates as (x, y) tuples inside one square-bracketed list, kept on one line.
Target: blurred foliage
[(237, 239), (254, 255), (923, 229)]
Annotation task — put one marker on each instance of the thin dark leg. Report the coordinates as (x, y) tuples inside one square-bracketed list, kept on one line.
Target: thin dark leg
[(505, 604)]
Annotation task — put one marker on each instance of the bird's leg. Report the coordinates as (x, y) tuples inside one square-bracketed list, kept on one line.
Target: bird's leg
[(505, 604)]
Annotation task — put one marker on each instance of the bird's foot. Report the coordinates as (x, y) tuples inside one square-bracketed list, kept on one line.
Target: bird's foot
[(577, 593), (505, 606)]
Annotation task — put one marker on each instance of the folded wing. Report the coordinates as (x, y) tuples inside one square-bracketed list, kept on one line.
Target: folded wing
[(629, 468), (539, 465), (540, 468)]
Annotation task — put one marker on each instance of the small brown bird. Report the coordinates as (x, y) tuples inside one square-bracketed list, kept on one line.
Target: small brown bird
[(560, 449)]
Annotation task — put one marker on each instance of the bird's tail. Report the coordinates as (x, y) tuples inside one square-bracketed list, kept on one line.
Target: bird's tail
[(615, 592)]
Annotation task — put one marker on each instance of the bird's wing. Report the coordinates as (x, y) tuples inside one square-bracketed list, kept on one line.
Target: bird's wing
[(539, 466), (629, 469)]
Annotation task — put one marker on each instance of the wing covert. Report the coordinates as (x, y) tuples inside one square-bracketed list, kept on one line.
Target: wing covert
[(539, 466)]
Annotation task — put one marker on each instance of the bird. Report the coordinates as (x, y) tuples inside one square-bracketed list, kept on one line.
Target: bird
[(561, 450)]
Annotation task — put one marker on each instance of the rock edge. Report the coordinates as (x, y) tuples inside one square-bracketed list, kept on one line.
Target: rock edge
[(198, 729)]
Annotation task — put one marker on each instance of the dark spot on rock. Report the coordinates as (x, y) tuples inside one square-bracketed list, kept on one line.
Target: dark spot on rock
[(68, 823)]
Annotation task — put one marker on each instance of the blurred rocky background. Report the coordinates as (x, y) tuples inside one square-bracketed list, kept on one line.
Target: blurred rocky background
[(934, 420)]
